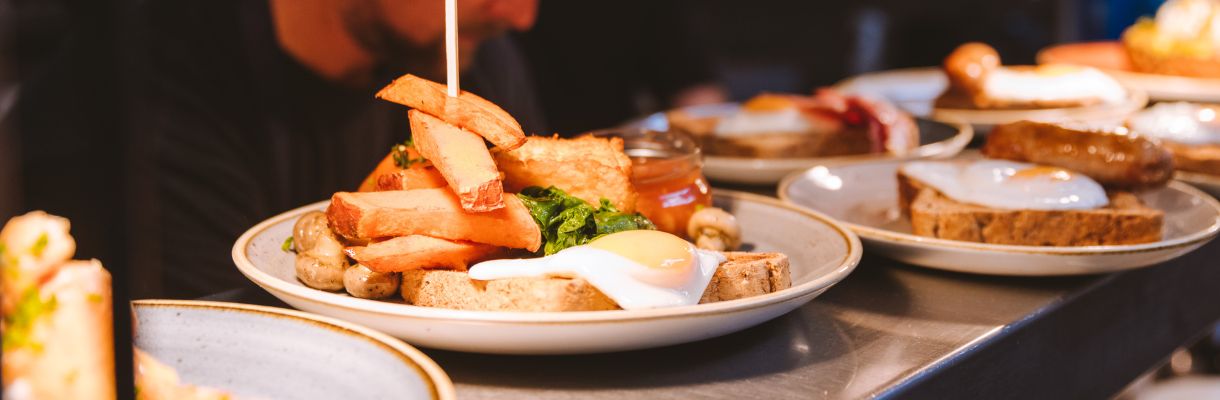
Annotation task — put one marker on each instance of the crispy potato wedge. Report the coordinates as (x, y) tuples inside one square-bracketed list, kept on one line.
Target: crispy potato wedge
[(586, 167), (421, 252), (388, 166), (462, 158), (431, 212), (467, 111), (411, 178)]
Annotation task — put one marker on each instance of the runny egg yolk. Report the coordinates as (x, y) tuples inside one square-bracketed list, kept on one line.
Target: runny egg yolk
[(1057, 174), (768, 102), (668, 258)]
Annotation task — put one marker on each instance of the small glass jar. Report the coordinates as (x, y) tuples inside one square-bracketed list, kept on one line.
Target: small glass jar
[(667, 171)]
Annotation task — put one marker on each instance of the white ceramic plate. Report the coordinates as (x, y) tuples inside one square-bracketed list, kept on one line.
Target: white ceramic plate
[(936, 139), (1207, 182), (916, 89), (821, 253), (1112, 58), (864, 196), (272, 353)]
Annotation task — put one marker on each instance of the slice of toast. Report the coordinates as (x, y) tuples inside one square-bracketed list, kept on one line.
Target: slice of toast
[(743, 275), (468, 110), (1126, 220), (1202, 158)]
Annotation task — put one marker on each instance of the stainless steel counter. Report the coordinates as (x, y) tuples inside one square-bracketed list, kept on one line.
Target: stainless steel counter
[(891, 329)]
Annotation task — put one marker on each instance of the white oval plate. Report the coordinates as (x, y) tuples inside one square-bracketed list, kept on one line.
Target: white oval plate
[(1206, 182), (273, 353), (937, 140), (821, 253), (865, 195), (1111, 57), (916, 89)]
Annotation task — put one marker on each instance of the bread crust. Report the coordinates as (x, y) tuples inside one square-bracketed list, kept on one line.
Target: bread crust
[(743, 275)]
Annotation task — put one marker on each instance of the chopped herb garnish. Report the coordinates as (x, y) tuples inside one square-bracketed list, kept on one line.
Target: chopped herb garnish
[(288, 245), (568, 221), (39, 245), (402, 155), (19, 324)]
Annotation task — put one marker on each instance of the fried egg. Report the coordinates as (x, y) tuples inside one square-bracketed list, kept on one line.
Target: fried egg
[(1052, 83), (1185, 123), (765, 113), (637, 269), (1009, 185)]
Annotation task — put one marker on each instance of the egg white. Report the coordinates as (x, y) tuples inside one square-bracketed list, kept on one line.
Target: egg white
[(749, 122), (1026, 85), (991, 183), (1180, 122), (618, 277)]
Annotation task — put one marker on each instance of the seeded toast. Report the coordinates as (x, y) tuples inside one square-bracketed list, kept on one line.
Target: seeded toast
[(743, 275), (1126, 220), (1204, 158)]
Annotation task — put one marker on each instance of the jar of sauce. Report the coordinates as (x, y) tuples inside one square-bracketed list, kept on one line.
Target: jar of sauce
[(667, 171)]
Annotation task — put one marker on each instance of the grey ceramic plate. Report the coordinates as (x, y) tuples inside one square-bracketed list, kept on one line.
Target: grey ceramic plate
[(1207, 182), (271, 353), (936, 140), (820, 251)]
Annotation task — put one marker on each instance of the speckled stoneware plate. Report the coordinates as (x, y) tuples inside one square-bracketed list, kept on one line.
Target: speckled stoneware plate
[(865, 197), (936, 140), (821, 253), (915, 90), (272, 353), (1112, 58)]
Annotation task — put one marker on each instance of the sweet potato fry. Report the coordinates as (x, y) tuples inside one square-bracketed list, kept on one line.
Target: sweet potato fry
[(462, 158), (467, 111), (421, 252), (410, 178), (431, 212)]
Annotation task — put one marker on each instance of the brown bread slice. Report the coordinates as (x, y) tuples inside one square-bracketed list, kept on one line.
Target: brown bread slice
[(1126, 220), (743, 275)]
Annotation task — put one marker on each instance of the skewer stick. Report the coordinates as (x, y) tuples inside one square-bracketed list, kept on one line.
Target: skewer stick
[(451, 47)]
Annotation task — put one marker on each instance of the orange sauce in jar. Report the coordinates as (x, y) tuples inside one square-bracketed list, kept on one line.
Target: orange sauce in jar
[(671, 189)]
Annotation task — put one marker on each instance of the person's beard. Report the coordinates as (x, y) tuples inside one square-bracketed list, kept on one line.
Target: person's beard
[(395, 55)]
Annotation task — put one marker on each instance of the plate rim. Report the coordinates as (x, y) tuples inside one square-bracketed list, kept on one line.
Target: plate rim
[(439, 384), (850, 260), (871, 233)]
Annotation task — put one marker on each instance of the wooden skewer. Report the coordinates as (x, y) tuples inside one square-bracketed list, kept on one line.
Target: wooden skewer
[(451, 47)]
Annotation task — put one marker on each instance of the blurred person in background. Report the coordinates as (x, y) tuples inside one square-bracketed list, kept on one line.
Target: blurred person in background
[(242, 109)]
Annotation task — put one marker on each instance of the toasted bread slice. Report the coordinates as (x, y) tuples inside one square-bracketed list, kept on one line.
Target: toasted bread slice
[(1202, 158), (743, 275), (431, 212), (586, 167), (467, 111), (1126, 220), (420, 252), (462, 158)]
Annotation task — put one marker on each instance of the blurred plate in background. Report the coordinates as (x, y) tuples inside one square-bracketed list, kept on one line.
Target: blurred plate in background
[(1112, 58)]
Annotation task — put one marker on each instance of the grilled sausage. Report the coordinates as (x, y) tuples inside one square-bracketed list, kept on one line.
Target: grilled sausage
[(1117, 161)]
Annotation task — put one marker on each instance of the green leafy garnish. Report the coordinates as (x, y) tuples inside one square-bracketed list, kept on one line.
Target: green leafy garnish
[(568, 221), (402, 158), (39, 245), (288, 246), (20, 323)]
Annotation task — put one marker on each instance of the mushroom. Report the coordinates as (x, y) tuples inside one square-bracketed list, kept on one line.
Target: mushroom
[(364, 283), (712, 228), (320, 260)]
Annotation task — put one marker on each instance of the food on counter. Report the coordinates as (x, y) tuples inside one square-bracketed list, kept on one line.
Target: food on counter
[(1183, 39), (977, 80), (1113, 158), (57, 322), (786, 125), (567, 239), (467, 111), (1191, 132), (1044, 186)]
